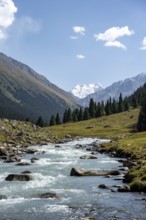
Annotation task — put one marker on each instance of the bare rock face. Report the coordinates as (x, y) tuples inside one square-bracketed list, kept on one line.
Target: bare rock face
[(80, 172), (18, 177)]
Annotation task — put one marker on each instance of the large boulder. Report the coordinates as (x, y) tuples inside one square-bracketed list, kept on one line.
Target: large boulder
[(3, 151), (81, 172), (3, 197), (18, 177)]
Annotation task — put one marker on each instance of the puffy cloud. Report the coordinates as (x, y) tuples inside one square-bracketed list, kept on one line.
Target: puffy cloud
[(111, 34), (115, 44), (79, 30), (80, 56), (7, 16), (143, 44)]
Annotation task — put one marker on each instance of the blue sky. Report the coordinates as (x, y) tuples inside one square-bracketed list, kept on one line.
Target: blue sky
[(76, 41)]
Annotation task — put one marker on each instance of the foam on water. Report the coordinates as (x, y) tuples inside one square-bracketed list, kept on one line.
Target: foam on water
[(51, 173), (57, 208)]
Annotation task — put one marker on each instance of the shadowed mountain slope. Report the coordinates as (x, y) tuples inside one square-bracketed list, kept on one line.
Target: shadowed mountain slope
[(27, 94)]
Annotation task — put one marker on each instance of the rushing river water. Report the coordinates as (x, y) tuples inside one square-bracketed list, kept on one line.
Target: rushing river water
[(79, 197)]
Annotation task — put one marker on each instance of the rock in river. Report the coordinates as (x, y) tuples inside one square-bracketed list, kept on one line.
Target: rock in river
[(88, 157), (18, 177), (48, 195), (80, 172)]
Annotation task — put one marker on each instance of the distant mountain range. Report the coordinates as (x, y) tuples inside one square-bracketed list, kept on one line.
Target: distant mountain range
[(82, 91), (27, 94), (126, 87)]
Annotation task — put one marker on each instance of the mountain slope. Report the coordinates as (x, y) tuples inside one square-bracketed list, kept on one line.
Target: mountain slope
[(126, 87), (81, 91), (25, 93)]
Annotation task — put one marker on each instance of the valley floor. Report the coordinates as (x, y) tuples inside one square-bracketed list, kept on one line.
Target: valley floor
[(119, 128)]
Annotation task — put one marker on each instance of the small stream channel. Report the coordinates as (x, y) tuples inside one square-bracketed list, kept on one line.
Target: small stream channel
[(79, 197)]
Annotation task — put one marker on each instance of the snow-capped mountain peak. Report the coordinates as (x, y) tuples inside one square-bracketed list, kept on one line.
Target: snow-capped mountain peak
[(81, 91)]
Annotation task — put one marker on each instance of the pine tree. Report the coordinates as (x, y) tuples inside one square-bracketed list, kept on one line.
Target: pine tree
[(52, 120), (57, 119), (92, 109), (108, 108), (69, 115), (114, 107), (126, 104), (80, 117), (75, 115), (120, 104), (134, 101), (102, 109), (86, 114), (40, 122), (65, 116), (141, 125), (98, 110)]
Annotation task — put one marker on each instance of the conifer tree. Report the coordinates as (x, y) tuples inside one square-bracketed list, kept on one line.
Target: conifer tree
[(69, 115), (52, 120), (80, 117), (102, 108), (92, 109), (134, 101), (86, 114), (108, 108), (75, 115), (141, 125), (40, 122), (126, 104), (57, 119), (114, 107), (120, 104), (65, 116)]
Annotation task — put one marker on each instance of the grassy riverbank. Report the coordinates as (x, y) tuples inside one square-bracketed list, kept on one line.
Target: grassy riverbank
[(126, 141), (120, 128)]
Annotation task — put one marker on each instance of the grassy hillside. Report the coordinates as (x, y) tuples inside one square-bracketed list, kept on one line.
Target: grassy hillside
[(113, 126)]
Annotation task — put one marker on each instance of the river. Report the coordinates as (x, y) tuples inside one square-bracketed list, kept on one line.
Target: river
[(79, 197)]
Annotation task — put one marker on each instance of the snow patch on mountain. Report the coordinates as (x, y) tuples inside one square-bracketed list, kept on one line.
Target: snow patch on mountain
[(126, 87), (81, 91)]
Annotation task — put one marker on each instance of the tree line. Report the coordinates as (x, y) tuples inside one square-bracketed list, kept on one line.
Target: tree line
[(111, 106), (93, 110)]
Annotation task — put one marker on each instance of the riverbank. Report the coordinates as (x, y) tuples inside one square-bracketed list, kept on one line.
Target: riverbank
[(126, 142), (120, 128)]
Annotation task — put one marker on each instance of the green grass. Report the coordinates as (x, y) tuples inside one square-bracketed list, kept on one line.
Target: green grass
[(114, 126)]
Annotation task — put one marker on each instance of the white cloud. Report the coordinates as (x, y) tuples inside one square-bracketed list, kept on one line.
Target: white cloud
[(7, 16), (79, 30), (115, 44), (80, 56), (111, 34), (143, 44)]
